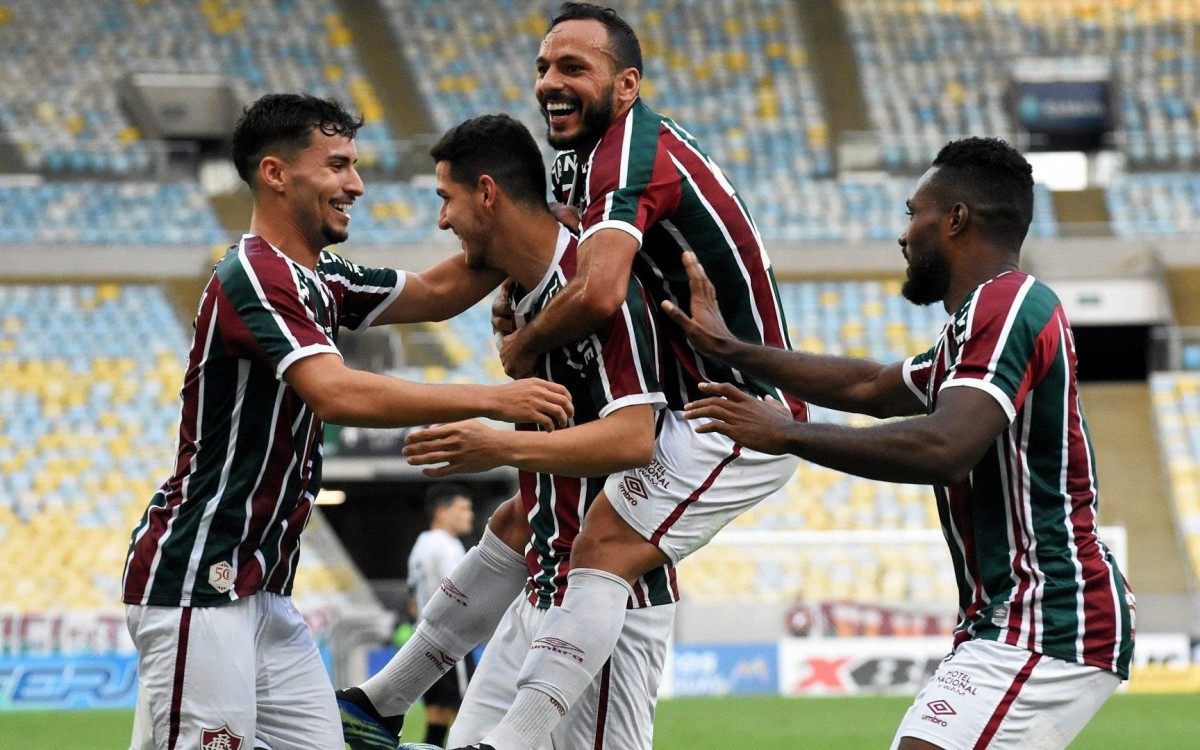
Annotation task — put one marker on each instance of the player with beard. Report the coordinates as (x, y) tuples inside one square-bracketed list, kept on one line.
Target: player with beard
[(1045, 631), (646, 193), (224, 657)]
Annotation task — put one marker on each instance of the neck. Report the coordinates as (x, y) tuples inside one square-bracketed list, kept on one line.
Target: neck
[(278, 229), (977, 268), (528, 237)]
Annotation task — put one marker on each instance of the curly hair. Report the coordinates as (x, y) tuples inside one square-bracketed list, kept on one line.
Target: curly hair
[(993, 180), (283, 124)]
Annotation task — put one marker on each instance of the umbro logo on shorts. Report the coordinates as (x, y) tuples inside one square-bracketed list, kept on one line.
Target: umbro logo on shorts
[(941, 708), (633, 490), (219, 739)]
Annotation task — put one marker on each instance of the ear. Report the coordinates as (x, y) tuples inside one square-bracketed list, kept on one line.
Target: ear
[(627, 85), (272, 173), (488, 190), (960, 216)]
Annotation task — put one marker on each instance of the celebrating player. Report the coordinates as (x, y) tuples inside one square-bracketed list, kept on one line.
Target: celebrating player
[(1046, 618), (647, 193), (493, 186), (223, 653)]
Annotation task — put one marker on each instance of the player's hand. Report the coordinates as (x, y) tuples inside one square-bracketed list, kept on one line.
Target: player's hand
[(503, 321), (534, 400), (464, 447), (758, 424), (517, 361), (568, 216), (705, 328)]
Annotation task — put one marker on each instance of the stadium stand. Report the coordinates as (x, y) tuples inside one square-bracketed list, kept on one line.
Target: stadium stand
[(59, 102), (93, 212), (933, 71), (1177, 411), (88, 413), (1155, 204)]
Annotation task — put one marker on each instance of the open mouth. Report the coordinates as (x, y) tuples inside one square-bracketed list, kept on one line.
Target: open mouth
[(342, 207), (558, 111)]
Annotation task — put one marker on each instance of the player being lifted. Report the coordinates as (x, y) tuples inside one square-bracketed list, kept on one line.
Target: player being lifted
[(1045, 631), (223, 654), (493, 187)]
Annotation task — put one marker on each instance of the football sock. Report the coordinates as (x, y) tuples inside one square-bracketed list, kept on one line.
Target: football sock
[(463, 612), (571, 647)]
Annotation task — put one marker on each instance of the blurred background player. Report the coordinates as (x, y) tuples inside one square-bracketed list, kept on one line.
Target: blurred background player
[(492, 182), (1046, 625), (433, 556), (223, 653)]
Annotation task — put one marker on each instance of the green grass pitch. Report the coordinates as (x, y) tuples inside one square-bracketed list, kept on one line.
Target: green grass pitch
[(1145, 722)]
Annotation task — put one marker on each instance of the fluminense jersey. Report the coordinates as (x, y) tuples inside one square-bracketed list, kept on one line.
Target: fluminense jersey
[(248, 467), (613, 368), (647, 177), (1030, 568)]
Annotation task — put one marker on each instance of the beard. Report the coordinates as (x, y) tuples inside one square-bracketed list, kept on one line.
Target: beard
[(928, 278), (594, 119), (334, 236)]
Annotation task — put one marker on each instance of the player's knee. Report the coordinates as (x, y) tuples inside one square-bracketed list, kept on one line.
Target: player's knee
[(509, 524)]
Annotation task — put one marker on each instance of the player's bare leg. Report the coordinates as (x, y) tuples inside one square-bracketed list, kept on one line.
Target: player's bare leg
[(912, 743), (577, 638), (463, 613)]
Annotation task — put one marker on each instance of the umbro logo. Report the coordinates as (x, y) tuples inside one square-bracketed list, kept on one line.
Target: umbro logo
[(633, 490), (452, 591), (559, 646), (941, 708)]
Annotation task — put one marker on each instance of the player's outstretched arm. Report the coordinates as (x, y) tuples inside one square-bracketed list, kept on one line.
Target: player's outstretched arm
[(622, 440), (440, 292), (940, 448), (842, 383), (340, 395), (588, 301)]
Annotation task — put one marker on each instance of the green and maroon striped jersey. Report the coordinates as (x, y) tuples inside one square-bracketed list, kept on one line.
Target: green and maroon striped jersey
[(649, 178), (1031, 569), (248, 467), (615, 367)]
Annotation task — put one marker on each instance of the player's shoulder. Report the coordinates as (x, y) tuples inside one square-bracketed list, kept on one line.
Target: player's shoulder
[(1015, 299)]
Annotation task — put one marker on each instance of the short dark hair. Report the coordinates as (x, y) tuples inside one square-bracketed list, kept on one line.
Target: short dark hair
[(284, 123), (623, 43), (499, 146), (443, 495), (995, 182)]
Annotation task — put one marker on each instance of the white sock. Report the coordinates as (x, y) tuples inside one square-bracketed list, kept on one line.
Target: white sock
[(571, 647), (462, 614)]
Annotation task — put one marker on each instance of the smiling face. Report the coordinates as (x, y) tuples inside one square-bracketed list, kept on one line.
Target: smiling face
[(462, 213), (576, 84), (322, 184), (923, 246)]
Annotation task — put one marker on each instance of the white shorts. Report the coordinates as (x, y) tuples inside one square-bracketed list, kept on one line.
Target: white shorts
[(694, 486), (617, 709), (993, 695), (246, 675)]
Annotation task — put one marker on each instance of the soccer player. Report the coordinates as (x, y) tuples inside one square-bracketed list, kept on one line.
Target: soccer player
[(433, 556), (1046, 624), (493, 186), (223, 653), (647, 193)]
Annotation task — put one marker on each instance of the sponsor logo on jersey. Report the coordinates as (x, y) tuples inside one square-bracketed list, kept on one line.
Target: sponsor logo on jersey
[(219, 739), (220, 576), (558, 646), (632, 489), (1000, 615)]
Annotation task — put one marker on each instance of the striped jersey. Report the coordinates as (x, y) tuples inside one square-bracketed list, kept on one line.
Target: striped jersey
[(615, 367), (1030, 567), (649, 178), (227, 523)]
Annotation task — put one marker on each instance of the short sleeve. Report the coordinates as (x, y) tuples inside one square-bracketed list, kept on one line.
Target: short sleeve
[(1002, 350), (267, 318), (632, 183), (629, 361), (362, 293), (918, 369)]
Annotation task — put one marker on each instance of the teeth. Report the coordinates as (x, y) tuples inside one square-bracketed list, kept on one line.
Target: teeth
[(559, 107)]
